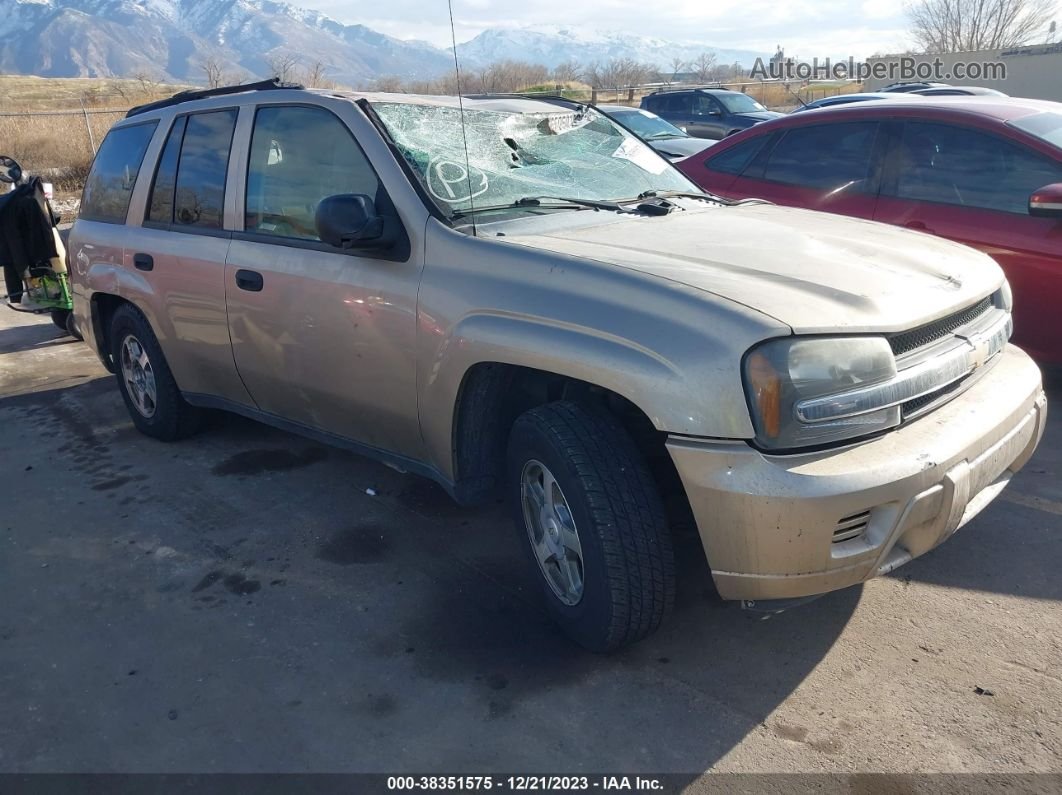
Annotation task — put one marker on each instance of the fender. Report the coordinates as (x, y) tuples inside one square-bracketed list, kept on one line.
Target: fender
[(671, 350)]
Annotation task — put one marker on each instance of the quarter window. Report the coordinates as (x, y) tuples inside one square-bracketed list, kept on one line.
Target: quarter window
[(114, 171), (300, 155), (951, 165), (832, 157)]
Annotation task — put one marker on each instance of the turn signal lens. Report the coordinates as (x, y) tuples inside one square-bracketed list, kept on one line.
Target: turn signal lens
[(766, 386)]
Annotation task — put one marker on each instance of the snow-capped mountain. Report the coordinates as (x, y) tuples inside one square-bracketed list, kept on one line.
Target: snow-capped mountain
[(552, 45), (172, 39)]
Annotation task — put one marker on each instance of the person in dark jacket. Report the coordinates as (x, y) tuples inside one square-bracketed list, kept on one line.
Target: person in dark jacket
[(27, 238)]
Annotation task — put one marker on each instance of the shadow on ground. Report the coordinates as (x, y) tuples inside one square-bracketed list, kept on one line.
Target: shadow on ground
[(250, 601)]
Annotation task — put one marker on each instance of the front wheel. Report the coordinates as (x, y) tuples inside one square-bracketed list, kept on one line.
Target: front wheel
[(147, 386), (582, 495)]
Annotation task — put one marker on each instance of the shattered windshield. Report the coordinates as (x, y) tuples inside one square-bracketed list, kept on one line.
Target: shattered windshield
[(577, 153)]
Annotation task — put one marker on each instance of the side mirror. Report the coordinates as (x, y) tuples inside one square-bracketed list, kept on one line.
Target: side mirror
[(350, 220), (10, 171), (1047, 201)]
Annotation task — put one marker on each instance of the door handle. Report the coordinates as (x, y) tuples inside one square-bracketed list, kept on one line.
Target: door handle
[(249, 280), (918, 226), (143, 262)]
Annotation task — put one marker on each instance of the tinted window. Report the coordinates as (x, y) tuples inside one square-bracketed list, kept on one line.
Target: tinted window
[(826, 156), (736, 158), (110, 183), (673, 103), (298, 157), (199, 198), (950, 165), (160, 208), (703, 105)]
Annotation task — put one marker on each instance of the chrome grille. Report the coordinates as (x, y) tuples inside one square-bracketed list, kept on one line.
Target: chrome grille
[(907, 341)]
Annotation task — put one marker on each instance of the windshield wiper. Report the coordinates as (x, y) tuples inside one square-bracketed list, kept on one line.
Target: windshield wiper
[(562, 203), (681, 194)]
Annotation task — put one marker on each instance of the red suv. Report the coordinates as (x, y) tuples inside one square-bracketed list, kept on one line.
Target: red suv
[(982, 171)]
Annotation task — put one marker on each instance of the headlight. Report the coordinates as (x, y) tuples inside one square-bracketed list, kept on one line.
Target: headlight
[(789, 383)]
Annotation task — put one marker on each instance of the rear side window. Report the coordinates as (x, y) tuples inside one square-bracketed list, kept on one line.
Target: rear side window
[(300, 155), (199, 198), (736, 158), (114, 171), (828, 156), (952, 165)]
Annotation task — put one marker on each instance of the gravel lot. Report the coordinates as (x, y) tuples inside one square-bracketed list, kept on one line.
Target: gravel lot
[(241, 602)]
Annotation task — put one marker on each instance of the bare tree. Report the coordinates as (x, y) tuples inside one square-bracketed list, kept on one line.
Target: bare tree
[(941, 26), (211, 68), (282, 65), (567, 72), (678, 65), (390, 84), (314, 76), (704, 67)]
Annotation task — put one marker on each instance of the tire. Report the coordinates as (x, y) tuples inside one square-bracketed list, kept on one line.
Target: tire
[(60, 317), (626, 571), (71, 327), (160, 412)]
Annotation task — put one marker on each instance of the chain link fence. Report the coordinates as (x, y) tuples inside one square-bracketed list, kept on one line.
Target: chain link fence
[(56, 144)]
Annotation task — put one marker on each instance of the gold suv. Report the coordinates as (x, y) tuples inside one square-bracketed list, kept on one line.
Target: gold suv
[(518, 295)]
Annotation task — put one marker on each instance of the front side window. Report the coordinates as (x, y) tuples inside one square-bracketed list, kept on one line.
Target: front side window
[(827, 156), (951, 165), (199, 197), (704, 105), (300, 155), (736, 158), (523, 149), (114, 171)]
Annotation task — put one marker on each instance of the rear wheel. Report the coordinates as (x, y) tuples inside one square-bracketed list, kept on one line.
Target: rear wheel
[(60, 317), (584, 498), (144, 379), (71, 327)]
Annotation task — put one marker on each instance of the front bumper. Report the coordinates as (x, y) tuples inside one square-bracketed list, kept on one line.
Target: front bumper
[(784, 527)]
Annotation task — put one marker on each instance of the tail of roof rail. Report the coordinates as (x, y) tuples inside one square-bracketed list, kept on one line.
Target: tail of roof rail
[(272, 84)]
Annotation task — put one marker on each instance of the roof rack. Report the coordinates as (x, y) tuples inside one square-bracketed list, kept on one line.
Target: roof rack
[(202, 93), (673, 89)]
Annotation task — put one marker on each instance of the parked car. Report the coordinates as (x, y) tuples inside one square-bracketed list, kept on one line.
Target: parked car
[(962, 169), (959, 91), (847, 99), (518, 297), (906, 88), (707, 112), (669, 140)]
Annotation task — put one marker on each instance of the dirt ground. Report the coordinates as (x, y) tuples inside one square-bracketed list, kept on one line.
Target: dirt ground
[(241, 602)]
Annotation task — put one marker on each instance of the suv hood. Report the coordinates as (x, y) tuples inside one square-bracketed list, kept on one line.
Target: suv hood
[(759, 115), (815, 272)]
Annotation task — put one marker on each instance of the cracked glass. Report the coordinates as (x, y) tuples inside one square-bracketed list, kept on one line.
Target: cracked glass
[(518, 152)]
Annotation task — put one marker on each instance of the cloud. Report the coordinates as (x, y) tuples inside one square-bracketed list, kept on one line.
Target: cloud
[(808, 28)]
